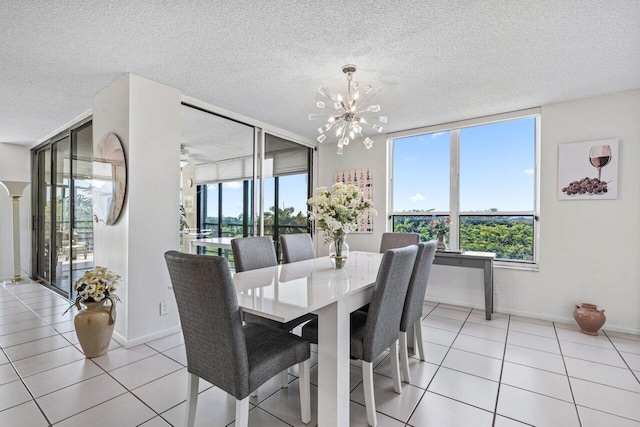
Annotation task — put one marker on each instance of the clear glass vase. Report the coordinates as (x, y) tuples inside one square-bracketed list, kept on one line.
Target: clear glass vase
[(338, 251)]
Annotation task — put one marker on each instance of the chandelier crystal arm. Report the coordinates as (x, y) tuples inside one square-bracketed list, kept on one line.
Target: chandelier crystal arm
[(351, 111)]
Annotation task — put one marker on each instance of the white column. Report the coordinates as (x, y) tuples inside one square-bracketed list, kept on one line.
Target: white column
[(16, 239), (15, 189)]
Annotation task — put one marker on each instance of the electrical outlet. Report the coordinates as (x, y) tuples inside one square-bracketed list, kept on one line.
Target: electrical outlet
[(164, 308)]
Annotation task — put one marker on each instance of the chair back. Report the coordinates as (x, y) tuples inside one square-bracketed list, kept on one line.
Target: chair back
[(389, 293), (211, 320), (296, 247), (251, 253), (398, 240), (413, 304)]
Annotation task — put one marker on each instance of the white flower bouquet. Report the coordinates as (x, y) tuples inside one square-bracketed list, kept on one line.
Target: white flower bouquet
[(336, 210), (96, 285)]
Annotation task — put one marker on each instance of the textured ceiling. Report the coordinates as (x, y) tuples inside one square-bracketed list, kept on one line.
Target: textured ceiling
[(438, 61)]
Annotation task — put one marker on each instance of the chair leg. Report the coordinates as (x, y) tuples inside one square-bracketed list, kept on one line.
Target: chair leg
[(369, 398), (404, 358), (395, 368), (305, 390), (242, 412), (284, 378), (192, 398), (418, 328)]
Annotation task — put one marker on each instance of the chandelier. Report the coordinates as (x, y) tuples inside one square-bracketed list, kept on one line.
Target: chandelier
[(351, 112)]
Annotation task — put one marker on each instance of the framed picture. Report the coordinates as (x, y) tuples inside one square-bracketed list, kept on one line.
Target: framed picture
[(361, 178), (187, 203), (588, 170)]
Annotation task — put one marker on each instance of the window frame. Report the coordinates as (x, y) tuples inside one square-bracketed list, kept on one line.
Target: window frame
[(454, 180)]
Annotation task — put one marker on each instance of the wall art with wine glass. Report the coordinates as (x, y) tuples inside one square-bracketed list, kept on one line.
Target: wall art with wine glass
[(588, 170)]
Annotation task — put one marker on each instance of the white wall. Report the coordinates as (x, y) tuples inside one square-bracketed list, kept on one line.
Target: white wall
[(356, 156), (146, 117), (589, 250), (15, 165)]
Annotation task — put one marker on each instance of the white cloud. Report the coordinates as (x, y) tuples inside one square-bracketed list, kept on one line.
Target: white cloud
[(435, 135), (417, 198), (528, 171), (232, 185)]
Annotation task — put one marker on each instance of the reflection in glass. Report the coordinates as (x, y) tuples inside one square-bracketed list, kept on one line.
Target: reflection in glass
[(109, 179), (82, 238), (62, 216)]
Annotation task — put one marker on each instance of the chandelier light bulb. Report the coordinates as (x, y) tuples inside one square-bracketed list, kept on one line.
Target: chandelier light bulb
[(350, 113)]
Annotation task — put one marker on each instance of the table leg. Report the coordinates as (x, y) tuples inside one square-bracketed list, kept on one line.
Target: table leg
[(488, 288), (333, 365)]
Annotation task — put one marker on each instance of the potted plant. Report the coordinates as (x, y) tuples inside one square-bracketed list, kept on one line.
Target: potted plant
[(441, 227)]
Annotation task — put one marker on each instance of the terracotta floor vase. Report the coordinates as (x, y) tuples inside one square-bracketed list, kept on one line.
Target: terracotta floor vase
[(589, 318)]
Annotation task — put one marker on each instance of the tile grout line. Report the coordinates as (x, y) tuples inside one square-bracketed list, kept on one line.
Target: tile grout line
[(621, 356), (564, 363), (426, 390), (33, 399), (127, 390), (504, 353)]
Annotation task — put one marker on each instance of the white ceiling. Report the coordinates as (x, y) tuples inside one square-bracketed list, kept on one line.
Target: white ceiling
[(438, 61)]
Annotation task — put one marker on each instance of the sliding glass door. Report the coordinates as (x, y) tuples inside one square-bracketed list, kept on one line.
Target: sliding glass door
[(248, 182), (286, 188), (42, 246), (63, 234)]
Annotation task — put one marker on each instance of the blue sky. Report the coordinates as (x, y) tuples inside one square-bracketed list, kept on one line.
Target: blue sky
[(496, 168)]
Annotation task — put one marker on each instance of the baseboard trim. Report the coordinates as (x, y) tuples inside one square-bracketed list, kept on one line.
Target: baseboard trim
[(146, 338), (551, 318)]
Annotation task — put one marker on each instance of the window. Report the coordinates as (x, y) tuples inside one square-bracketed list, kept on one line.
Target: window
[(482, 175)]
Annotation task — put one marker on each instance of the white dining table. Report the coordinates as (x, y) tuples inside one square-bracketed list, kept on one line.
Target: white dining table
[(289, 291), (210, 242)]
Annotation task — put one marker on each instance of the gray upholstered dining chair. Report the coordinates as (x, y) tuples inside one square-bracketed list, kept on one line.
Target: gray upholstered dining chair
[(235, 358), (251, 253), (296, 247), (398, 240), (376, 330), (413, 303)]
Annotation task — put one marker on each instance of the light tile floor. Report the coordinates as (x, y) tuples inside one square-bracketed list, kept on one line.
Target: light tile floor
[(509, 371)]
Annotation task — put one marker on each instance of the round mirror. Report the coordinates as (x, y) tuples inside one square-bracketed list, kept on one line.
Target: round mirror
[(109, 180)]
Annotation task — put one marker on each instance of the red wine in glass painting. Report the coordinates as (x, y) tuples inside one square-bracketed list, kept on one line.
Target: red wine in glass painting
[(600, 156)]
